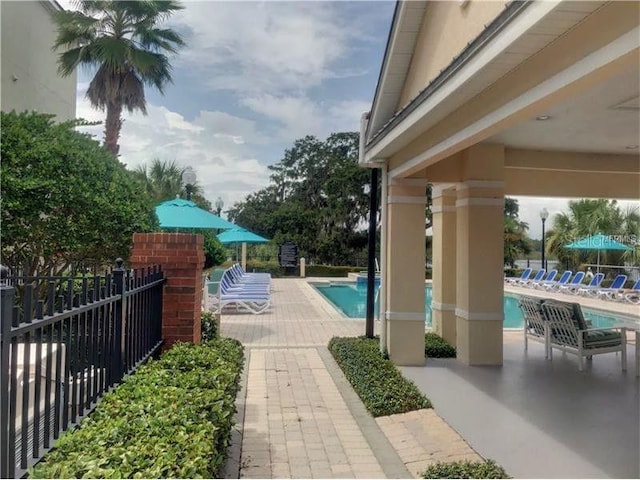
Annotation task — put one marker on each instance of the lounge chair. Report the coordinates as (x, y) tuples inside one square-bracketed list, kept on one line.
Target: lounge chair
[(632, 295), (577, 280), (551, 276), (535, 324), (538, 276), (526, 273), (238, 272), (564, 278), (576, 289), (255, 298), (569, 332), (615, 288)]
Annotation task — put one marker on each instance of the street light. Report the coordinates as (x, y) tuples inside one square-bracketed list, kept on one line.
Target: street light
[(188, 180), (544, 214), (219, 205)]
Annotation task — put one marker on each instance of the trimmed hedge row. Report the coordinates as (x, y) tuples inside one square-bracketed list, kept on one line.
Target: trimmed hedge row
[(462, 469), (171, 419), (437, 347), (380, 385)]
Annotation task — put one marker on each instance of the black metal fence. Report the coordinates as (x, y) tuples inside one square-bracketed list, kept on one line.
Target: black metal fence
[(65, 341)]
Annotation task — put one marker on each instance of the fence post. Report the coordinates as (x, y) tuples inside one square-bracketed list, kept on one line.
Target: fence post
[(7, 295), (119, 318)]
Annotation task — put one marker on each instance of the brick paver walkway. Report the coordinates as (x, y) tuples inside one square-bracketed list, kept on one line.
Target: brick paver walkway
[(298, 416)]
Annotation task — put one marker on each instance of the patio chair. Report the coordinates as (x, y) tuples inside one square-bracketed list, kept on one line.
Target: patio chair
[(615, 288), (538, 276), (564, 278), (577, 280), (535, 324), (576, 289), (569, 332), (526, 273), (551, 276)]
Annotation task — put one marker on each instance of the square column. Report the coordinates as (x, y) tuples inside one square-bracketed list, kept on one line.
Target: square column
[(404, 281), (443, 303), (480, 256)]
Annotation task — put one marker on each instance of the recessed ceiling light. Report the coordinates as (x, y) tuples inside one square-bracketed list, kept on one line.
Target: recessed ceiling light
[(631, 147), (543, 117)]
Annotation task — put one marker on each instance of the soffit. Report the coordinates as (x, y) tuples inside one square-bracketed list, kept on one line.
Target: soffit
[(558, 21)]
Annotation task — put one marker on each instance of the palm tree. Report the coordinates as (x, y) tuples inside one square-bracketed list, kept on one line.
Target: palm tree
[(589, 217), (122, 40), (163, 181)]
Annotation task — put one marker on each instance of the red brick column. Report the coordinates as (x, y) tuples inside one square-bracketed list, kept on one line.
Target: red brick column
[(181, 257)]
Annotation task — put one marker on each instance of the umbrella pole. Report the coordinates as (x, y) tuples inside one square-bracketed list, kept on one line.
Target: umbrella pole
[(598, 266)]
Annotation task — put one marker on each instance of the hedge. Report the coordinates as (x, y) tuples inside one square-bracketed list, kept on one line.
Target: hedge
[(379, 384), (465, 469), (170, 419), (437, 347)]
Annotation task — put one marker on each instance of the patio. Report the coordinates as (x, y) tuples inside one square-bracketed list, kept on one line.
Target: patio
[(538, 419)]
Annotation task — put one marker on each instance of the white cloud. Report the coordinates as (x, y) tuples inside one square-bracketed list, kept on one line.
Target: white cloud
[(273, 46)]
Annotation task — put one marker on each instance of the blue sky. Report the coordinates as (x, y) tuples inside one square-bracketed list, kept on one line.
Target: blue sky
[(253, 78)]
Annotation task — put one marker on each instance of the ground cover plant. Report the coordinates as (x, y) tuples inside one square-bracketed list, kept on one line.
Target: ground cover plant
[(437, 347), (380, 385), (171, 419), (465, 469)]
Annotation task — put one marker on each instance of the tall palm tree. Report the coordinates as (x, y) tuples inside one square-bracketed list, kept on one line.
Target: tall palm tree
[(122, 41), (589, 217)]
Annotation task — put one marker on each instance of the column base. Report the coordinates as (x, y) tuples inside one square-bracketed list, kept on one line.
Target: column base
[(443, 323), (406, 342), (479, 342)]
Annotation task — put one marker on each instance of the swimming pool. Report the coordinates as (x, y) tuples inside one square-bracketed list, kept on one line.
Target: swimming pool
[(350, 299)]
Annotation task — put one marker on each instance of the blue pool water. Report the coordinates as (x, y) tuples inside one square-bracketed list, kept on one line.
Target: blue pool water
[(350, 299)]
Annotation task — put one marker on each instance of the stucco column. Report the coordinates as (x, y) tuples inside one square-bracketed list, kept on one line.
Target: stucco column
[(443, 303), (480, 256), (405, 274)]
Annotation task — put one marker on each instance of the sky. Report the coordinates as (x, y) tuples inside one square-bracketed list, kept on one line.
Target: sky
[(253, 78)]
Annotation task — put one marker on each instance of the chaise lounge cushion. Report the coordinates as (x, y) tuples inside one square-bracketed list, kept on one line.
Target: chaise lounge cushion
[(602, 339)]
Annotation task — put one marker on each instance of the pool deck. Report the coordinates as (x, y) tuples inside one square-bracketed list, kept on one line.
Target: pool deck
[(299, 418)]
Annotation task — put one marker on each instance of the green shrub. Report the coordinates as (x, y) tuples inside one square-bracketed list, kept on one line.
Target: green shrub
[(380, 385), (330, 270), (171, 419), (437, 347), (209, 322), (486, 469)]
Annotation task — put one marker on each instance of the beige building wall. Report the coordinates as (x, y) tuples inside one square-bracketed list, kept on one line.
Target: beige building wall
[(447, 28), (29, 72)]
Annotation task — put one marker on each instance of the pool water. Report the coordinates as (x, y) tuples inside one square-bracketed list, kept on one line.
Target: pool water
[(351, 299)]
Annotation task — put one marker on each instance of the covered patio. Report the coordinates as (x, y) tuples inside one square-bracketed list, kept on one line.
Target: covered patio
[(483, 100)]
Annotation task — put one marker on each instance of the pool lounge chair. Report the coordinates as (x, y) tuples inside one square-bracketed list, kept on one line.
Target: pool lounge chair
[(526, 273), (576, 289), (238, 272), (615, 288), (538, 276), (254, 298), (551, 276), (631, 295), (577, 280), (569, 332), (564, 278)]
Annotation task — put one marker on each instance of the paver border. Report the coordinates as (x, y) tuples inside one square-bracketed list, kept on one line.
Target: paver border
[(232, 464), (387, 456)]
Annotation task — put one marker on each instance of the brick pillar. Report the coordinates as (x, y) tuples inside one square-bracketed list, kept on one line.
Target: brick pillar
[(181, 257)]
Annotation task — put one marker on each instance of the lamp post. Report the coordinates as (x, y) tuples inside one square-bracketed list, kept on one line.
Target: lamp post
[(188, 180), (219, 205), (544, 214)]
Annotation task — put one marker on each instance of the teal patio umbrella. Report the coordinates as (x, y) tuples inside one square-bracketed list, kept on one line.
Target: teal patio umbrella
[(179, 213), (239, 235), (598, 242)]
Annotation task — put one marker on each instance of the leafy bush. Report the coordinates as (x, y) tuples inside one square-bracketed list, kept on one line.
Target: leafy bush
[(486, 469), (380, 385), (209, 325), (437, 347), (330, 270), (171, 419)]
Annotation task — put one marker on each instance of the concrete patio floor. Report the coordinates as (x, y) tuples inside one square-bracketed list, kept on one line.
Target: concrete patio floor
[(299, 418)]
